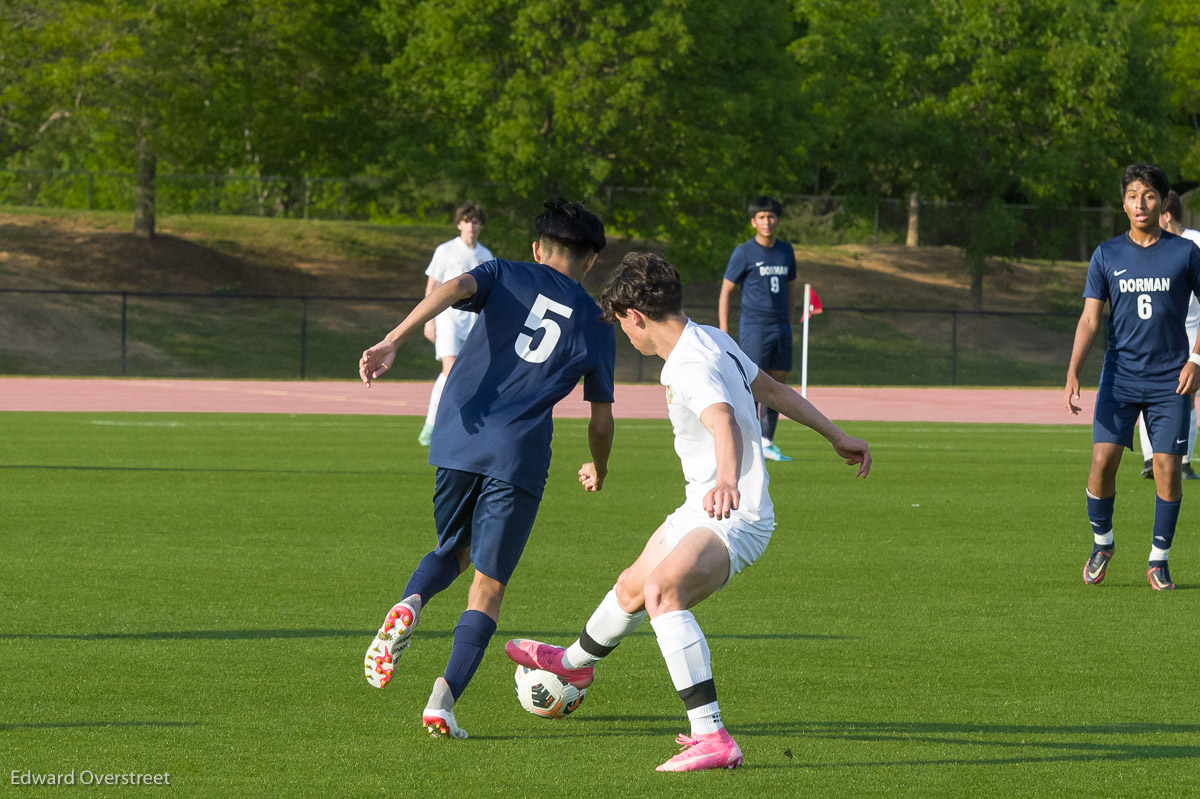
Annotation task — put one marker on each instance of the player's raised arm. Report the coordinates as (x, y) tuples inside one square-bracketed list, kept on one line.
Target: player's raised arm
[(378, 359), (600, 438), (1085, 335), (784, 399)]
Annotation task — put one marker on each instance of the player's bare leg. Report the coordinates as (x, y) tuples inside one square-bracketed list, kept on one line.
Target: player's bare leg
[(696, 567), (471, 636), (768, 419), (435, 398), (1168, 479), (1101, 494)]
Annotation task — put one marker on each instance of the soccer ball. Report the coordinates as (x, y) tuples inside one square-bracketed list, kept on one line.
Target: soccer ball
[(545, 694)]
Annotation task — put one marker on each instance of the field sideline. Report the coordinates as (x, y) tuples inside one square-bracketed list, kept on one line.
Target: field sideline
[(643, 401)]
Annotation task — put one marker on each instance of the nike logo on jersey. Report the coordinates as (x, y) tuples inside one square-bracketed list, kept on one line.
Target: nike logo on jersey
[(1120, 272), (1180, 440), (759, 263)]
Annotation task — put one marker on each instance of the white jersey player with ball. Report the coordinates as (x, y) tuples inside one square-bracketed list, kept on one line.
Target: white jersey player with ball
[(704, 369), (725, 521)]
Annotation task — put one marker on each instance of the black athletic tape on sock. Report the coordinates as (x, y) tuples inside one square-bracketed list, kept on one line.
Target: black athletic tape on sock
[(597, 650), (699, 695)]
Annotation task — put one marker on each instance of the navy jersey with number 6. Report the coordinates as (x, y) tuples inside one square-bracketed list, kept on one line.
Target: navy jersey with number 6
[(1148, 290), (537, 334)]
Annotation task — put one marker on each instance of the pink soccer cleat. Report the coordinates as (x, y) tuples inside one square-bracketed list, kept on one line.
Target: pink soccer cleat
[(536, 655), (391, 640), (715, 750)]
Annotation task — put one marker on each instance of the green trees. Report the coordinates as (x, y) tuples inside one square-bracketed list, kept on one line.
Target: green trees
[(697, 103), (988, 102), (268, 87), (519, 99)]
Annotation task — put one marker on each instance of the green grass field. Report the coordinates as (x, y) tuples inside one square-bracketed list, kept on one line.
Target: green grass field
[(193, 594)]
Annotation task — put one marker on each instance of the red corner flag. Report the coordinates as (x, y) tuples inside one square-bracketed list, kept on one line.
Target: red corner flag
[(814, 304)]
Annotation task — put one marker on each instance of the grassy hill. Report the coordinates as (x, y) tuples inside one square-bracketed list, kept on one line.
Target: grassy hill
[(382, 267)]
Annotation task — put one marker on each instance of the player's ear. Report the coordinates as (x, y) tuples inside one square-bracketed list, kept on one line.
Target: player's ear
[(537, 252)]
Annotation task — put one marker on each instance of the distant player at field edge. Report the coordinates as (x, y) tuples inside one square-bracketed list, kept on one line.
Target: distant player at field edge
[(538, 334), (1169, 220), (1147, 277), (765, 268), (726, 519), (448, 331)]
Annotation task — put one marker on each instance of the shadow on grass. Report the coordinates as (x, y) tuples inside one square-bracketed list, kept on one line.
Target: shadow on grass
[(200, 635), (190, 470), (74, 725), (1009, 744), (1019, 743), (259, 635)]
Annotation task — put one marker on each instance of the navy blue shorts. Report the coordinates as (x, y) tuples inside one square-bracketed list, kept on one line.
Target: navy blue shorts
[(491, 517), (1168, 416), (769, 346)]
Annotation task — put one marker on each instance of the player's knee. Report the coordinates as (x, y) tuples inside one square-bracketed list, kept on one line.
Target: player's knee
[(660, 598), (629, 591)]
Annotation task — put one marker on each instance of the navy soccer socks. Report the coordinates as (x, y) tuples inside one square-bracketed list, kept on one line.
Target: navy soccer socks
[(471, 636), (432, 576)]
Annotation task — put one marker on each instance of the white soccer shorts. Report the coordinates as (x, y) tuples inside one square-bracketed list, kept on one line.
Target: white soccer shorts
[(451, 327), (744, 540)]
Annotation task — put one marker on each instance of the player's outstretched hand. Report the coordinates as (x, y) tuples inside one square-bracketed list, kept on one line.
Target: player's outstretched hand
[(854, 450), (1071, 396), (720, 500), (589, 478), (376, 361)]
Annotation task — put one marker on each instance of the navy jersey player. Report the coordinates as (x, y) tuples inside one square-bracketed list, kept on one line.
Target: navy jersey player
[(765, 268), (538, 334), (726, 518), (1147, 276)]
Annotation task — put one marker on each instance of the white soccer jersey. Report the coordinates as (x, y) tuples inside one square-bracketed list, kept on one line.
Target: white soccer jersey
[(707, 367), (451, 259), (1193, 317), (454, 257)]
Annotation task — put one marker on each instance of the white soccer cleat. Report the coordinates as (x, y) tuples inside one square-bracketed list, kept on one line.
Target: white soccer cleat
[(391, 640), (438, 715)]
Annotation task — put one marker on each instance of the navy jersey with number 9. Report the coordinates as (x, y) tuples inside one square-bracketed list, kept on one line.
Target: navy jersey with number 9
[(538, 333)]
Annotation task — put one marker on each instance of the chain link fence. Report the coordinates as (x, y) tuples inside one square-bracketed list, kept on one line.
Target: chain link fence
[(149, 334)]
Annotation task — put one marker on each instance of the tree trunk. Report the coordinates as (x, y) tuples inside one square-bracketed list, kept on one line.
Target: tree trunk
[(147, 166), (976, 290), (914, 212)]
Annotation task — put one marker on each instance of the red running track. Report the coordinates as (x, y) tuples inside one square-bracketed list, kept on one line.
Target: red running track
[(978, 405)]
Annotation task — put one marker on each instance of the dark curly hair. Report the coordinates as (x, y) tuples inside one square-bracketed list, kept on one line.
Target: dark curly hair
[(645, 282)]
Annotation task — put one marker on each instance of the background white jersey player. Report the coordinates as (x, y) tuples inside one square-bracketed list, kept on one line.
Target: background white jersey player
[(726, 519), (1169, 220), (449, 329)]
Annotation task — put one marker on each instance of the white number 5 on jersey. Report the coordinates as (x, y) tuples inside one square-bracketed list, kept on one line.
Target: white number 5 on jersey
[(537, 319)]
